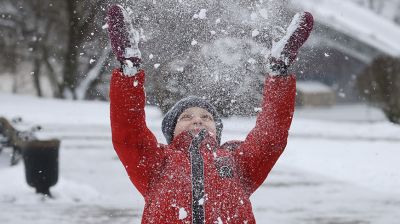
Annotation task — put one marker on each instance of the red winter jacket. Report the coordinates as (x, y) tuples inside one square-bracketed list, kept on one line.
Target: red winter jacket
[(193, 178)]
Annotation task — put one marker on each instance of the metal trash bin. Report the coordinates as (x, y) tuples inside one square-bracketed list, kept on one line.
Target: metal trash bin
[(41, 164)]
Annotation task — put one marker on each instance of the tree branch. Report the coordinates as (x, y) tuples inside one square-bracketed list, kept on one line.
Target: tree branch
[(92, 75)]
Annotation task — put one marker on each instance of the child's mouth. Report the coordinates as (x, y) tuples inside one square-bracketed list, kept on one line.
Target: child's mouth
[(196, 131)]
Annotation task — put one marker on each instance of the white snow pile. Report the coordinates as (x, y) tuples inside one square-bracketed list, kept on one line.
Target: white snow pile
[(277, 47), (313, 87)]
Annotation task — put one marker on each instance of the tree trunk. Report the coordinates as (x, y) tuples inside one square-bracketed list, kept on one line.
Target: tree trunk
[(70, 62), (36, 76), (56, 87)]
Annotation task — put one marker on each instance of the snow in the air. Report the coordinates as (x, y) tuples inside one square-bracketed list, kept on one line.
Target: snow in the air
[(255, 33), (202, 14)]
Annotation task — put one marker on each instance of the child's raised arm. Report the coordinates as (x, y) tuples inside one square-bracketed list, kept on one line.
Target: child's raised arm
[(134, 143), (265, 143)]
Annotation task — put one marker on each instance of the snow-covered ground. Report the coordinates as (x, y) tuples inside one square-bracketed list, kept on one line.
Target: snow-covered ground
[(340, 166)]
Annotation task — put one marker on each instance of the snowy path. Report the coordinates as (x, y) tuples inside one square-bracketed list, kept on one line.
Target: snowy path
[(295, 196), (68, 214)]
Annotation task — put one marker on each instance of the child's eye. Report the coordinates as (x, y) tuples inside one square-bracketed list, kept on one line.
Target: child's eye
[(185, 117), (207, 117)]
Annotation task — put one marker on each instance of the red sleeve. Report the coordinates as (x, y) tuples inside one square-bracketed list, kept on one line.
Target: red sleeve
[(134, 143), (265, 143)]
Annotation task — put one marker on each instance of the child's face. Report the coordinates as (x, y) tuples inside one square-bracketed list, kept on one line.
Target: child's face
[(194, 119)]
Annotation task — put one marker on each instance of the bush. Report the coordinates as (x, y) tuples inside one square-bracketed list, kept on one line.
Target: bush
[(379, 83)]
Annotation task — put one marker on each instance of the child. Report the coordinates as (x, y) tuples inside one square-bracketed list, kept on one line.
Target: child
[(195, 179)]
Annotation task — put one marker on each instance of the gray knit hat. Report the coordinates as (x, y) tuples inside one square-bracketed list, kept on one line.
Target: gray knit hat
[(171, 117)]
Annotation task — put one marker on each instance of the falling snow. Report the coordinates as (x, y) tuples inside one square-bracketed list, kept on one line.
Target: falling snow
[(202, 14), (255, 33), (182, 213), (201, 201)]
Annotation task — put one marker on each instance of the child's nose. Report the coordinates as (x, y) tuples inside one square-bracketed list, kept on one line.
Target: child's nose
[(197, 120)]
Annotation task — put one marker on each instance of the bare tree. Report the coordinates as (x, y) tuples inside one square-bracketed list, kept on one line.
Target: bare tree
[(81, 17), (61, 39)]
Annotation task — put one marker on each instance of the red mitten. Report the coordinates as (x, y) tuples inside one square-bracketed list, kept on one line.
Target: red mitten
[(124, 39), (284, 52)]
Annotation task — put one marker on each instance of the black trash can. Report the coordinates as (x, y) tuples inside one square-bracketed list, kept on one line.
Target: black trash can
[(41, 164)]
